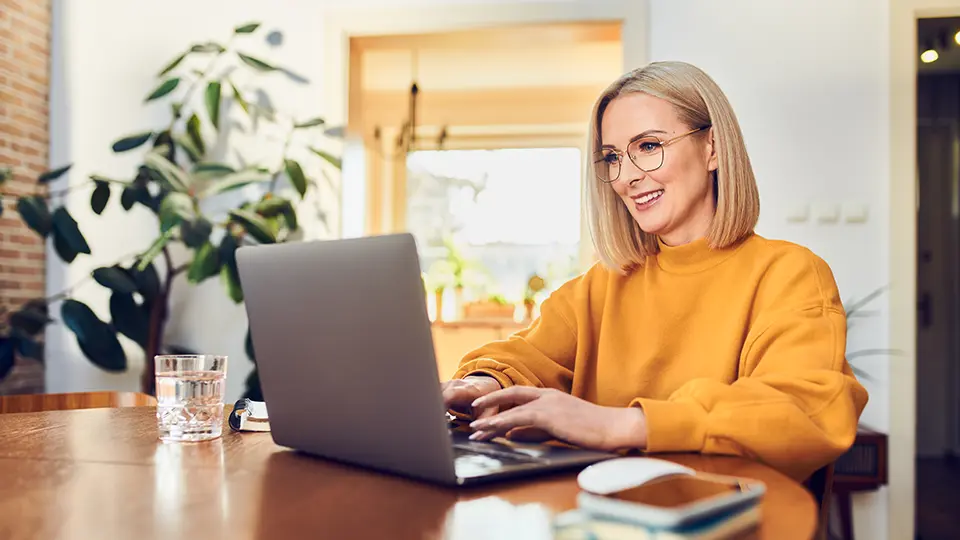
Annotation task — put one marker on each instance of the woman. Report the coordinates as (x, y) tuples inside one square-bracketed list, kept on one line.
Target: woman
[(692, 333)]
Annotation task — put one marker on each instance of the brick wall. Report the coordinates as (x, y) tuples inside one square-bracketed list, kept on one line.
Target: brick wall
[(24, 84)]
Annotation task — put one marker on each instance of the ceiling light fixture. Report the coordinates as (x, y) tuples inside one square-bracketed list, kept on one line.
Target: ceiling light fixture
[(928, 56)]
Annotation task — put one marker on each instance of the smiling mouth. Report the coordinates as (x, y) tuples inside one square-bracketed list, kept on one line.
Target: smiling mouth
[(648, 199)]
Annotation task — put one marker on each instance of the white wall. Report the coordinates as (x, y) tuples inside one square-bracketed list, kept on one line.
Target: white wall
[(809, 81)]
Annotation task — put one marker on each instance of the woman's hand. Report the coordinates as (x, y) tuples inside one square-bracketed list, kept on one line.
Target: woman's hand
[(459, 394), (561, 416)]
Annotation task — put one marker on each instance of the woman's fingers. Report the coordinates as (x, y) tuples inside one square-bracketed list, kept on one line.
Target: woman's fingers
[(515, 395), (457, 396), (522, 416)]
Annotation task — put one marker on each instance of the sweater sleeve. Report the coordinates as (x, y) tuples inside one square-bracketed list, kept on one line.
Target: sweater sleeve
[(795, 405), (540, 355)]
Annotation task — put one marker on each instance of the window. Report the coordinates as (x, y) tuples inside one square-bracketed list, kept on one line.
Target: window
[(509, 213)]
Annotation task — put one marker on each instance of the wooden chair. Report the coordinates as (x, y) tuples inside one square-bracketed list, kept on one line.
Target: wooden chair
[(820, 485), (862, 468), (77, 400)]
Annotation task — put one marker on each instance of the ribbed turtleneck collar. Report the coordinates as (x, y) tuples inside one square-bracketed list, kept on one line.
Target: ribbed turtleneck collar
[(693, 257)]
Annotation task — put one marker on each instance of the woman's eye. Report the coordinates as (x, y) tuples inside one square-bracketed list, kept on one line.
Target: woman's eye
[(648, 147), (610, 158)]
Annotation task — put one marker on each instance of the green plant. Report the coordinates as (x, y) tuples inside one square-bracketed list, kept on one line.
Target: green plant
[(181, 180), (855, 311)]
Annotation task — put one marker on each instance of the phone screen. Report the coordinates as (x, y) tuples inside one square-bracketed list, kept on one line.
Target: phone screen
[(678, 490)]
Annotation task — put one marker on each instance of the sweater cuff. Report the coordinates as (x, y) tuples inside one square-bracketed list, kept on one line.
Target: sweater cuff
[(673, 426), (487, 367)]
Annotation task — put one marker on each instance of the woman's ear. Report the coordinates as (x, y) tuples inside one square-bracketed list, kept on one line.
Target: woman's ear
[(711, 149)]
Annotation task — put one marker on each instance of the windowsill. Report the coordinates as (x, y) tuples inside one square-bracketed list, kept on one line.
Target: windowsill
[(480, 323)]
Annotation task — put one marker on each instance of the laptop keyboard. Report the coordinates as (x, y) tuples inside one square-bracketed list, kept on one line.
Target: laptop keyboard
[(505, 456)]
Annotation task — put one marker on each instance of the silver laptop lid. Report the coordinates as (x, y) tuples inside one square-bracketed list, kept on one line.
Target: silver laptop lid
[(345, 352)]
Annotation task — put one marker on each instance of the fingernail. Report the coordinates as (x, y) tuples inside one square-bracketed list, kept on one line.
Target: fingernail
[(476, 402), (475, 435)]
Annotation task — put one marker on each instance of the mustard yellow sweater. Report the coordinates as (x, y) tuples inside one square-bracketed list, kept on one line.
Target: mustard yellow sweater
[(736, 351)]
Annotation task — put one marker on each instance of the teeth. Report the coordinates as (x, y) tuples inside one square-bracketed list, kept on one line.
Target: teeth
[(649, 197)]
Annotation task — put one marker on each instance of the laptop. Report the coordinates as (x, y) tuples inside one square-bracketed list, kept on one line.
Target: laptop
[(347, 368)]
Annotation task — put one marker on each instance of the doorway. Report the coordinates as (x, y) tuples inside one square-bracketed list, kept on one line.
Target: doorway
[(938, 278)]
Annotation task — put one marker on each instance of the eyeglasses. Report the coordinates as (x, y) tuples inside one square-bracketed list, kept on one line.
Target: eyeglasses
[(645, 152)]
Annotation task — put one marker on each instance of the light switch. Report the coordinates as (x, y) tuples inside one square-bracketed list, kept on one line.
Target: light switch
[(828, 213), (798, 213), (855, 213)]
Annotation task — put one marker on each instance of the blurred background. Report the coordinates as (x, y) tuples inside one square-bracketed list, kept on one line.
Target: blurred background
[(142, 142)]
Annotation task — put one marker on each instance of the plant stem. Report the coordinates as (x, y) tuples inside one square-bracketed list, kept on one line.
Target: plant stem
[(157, 325)]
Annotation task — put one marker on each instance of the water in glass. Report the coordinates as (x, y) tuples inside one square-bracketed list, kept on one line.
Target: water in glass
[(189, 401)]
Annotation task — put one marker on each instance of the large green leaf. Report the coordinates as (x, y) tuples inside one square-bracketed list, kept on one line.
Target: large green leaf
[(196, 135), (212, 100), (196, 232), (256, 63), (239, 98), (175, 208), (187, 143), (297, 178), (206, 263), (229, 274), (29, 348), (290, 216), (164, 145), (328, 157), (271, 206), (132, 141), (254, 225), (247, 28), (80, 319), (174, 176), (128, 197), (129, 318), (105, 351), (100, 197), (310, 123), (236, 180), (148, 281), (207, 170), (31, 318), (65, 228), (53, 174), (164, 88), (116, 279), (64, 250), (155, 248), (172, 65), (208, 47), (35, 214)]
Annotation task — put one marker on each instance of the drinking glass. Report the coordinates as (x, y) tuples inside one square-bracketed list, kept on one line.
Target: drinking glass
[(190, 392)]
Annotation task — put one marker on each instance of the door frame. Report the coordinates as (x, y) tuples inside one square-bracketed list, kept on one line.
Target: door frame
[(902, 301)]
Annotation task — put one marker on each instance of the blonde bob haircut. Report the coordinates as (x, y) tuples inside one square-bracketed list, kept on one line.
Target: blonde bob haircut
[(620, 244)]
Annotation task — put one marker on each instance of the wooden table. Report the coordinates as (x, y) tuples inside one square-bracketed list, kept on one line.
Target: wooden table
[(102, 473)]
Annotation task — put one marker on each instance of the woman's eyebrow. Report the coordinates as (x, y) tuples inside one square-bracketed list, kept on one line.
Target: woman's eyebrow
[(639, 136)]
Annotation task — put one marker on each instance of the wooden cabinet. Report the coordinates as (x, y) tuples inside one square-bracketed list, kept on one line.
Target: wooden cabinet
[(452, 340)]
